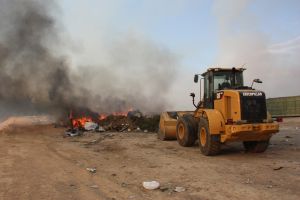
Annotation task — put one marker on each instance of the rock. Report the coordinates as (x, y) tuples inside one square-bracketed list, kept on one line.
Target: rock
[(179, 189), (151, 185)]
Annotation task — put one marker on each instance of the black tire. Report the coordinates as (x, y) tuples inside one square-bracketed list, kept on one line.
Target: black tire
[(256, 146), (193, 123), (209, 144), (185, 132)]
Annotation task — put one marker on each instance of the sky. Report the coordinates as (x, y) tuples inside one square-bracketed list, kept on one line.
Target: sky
[(201, 33)]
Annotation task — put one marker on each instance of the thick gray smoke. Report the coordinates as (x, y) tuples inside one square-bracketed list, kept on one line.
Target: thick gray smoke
[(34, 77), (242, 42)]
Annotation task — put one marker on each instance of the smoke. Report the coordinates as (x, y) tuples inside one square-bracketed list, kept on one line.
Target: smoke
[(242, 42), (36, 77)]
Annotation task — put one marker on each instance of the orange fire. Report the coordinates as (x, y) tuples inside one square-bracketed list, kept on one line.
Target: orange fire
[(104, 116), (81, 121)]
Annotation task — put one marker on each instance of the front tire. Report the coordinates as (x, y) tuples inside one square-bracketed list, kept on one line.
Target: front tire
[(185, 132), (209, 144), (256, 146)]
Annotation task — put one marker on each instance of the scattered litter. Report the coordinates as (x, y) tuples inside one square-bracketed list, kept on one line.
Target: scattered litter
[(164, 188), (138, 129), (124, 184), (278, 168), (288, 136), (125, 126), (248, 181), (179, 189), (92, 170), (100, 129), (135, 113), (146, 131), (151, 185), (94, 186), (129, 130), (90, 126), (72, 133), (269, 186)]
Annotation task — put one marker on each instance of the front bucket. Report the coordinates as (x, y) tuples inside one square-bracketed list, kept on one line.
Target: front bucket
[(167, 124)]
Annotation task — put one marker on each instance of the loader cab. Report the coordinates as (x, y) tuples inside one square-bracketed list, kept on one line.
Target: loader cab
[(216, 79)]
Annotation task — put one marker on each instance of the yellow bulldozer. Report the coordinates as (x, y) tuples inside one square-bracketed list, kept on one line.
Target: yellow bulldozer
[(228, 112)]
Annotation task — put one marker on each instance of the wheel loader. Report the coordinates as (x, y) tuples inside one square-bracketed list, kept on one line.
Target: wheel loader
[(228, 112)]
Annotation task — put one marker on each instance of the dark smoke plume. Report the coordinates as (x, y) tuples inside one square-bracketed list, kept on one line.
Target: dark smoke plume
[(32, 78), (36, 78)]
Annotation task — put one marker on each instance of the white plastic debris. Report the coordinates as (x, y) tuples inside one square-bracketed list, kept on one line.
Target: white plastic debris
[(92, 170), (146, 131), (101, 129), (90, 126), (179, 189), (94, 186), (72, 133), (151, 185)]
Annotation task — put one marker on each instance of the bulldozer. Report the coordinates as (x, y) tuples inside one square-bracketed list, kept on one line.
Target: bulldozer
[(228, 111)]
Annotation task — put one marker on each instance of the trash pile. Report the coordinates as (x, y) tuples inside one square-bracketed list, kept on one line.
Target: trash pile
[(134, 121)]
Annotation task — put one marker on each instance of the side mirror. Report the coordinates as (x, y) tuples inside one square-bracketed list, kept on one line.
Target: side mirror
[(196, 78), (257, 80)]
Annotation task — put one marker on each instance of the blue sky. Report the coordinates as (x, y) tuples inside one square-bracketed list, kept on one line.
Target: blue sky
[(200, 33), (187, 27)]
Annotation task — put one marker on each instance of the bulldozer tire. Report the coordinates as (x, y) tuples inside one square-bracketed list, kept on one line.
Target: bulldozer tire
[(256, 146), (209, 144), (185, 132), (193, 123)]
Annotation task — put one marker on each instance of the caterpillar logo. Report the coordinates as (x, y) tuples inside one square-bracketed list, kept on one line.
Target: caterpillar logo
[(252, 94), (219, 95)]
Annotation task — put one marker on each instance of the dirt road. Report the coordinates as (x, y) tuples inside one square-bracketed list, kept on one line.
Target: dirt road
[(36, 162)]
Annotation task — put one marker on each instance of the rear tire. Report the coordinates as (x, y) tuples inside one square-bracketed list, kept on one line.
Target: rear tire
[(209, 144), (256, 146), (185, 132)]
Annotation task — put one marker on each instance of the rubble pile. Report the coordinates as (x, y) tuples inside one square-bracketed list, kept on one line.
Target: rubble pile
[(133, 121)]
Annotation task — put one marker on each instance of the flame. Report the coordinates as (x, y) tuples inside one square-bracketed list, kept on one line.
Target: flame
[(80, 122), (124, 114)]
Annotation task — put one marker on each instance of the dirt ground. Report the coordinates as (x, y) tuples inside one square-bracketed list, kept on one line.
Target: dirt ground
[(37, 162)]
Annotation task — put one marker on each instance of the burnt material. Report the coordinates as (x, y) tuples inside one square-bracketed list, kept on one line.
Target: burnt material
[(253, 106)]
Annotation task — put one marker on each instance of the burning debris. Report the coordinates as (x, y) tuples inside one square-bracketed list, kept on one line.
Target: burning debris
[(115, 122)]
